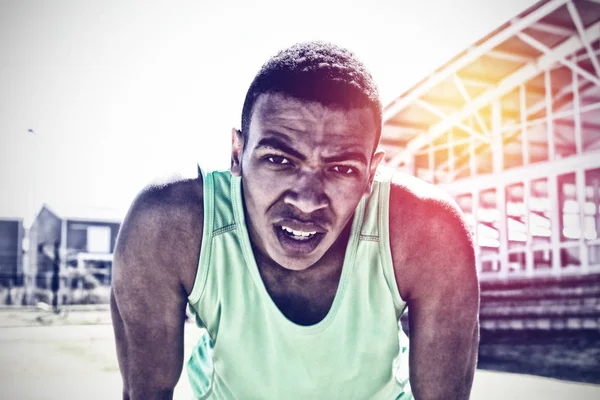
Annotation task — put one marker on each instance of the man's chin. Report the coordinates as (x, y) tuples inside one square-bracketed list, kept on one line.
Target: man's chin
[(294, 260), (294, 263)]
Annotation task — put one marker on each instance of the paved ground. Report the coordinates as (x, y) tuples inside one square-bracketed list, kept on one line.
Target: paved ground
[(47, 357)]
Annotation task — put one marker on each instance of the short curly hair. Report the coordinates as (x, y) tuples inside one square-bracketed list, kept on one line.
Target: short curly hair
[(316, 71)]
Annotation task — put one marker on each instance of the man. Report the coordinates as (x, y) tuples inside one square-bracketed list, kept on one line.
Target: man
[(300, 260)]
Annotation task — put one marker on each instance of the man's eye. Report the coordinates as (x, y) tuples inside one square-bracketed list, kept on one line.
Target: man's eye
[(343, 169), (278, 160)]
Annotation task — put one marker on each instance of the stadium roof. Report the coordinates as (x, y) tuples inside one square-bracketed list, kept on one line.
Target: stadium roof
[(457, 101)]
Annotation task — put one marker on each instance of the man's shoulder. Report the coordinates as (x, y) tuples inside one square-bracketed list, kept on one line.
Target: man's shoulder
[(421, 204), (428, 233), (162, 232), (170, 201), (167, 211)]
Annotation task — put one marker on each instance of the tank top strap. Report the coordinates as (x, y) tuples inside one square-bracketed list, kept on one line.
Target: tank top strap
[(218, 219), (223, 213), (370, 229), (375, 228)]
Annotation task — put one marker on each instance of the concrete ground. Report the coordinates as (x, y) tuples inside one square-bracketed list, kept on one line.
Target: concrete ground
[(48, 357)]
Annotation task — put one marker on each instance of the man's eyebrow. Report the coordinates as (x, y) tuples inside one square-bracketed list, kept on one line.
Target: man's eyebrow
[(278, 144), (347, 156)]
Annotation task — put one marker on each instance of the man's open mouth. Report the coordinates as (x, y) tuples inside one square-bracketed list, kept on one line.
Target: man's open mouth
[(297, 240), (298, 235)]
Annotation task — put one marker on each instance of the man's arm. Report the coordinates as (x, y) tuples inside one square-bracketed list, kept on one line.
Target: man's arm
[(158, 244), (436, 275)]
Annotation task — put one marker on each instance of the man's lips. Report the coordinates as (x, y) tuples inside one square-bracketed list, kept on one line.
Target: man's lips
[(298, 243), (300, 226)]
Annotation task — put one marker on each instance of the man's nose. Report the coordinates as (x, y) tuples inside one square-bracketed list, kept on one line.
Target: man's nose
[(308, 194)]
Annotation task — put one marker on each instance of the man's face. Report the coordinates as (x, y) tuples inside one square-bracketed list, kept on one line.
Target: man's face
[(304, 170)]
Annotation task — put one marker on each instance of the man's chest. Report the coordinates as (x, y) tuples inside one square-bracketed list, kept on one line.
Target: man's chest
[(304, 299)]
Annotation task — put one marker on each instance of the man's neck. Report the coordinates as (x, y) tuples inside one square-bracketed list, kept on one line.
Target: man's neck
[(305, 296)]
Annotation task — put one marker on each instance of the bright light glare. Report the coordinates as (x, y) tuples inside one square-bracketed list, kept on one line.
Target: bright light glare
[(539, 204), (539, 231), (537, 220), (515, 209), (488, 214), (517, 236), (589, 208), (571, 233), (488, 242), (571, 206)]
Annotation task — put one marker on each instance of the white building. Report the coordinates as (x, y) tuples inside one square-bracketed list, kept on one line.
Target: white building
[(511, 128), (79, 243)]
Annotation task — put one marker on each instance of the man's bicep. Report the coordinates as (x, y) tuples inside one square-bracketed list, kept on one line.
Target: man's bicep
[(148, 306), (443, 350), (443, 313)]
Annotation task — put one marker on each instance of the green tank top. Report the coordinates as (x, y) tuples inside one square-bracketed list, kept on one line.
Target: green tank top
[(248, 349)]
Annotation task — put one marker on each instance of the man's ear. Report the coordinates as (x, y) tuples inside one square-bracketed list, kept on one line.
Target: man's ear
[(237, 146), (375, 161)]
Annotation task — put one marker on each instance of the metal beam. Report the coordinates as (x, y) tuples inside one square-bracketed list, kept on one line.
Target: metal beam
[(497, 144), (472, 156), (451, 151), (404, 123), (582, 109), (446, 145), (450, 106), (505, 56), (583, 251), (465, 95), (529, 267), (506, 85), (562, 59), (585, 56), (524, 137), (431, 163), (468, 57), (580, 29), (511, 130), (474, 213), (542, 104), (577, 114), (436, 111), (586, 126), (392, 132), (553, 29), (479, 81), (476, 82), (549, 118), (508, 136), (587, 160), (471, 152), (544, 144), (502, 228), (555, 217)]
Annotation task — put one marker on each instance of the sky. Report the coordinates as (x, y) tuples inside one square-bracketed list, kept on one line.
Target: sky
[(100, 98)]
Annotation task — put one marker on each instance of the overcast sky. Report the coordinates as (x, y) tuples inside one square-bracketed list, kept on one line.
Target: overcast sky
[(117, 93)]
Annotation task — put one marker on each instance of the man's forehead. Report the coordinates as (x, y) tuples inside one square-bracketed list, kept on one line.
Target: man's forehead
[(276, 139), (279, 103), (279, 107)]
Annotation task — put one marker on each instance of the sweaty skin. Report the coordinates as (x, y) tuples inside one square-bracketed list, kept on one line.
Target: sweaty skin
[(304, 169)]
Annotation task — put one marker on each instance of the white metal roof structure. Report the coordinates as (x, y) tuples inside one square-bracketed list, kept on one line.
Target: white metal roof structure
[(511, 129), (528, 92)]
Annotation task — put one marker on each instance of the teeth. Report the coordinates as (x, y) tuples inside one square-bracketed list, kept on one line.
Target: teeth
[(298, 233)]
